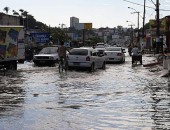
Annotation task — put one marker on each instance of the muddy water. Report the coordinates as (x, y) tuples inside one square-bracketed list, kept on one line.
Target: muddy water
[(121, 97)]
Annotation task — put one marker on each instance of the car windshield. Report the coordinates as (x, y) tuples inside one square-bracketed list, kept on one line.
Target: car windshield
[(113, 49), (83, 52), (49, 50)]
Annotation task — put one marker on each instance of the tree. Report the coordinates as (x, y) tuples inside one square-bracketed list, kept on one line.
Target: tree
[(15, 13), (6, 9)]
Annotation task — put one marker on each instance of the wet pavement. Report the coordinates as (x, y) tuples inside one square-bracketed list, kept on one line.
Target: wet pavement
[(120, 97)]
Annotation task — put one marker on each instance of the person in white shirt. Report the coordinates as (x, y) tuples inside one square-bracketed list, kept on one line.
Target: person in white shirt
[(135, 51)]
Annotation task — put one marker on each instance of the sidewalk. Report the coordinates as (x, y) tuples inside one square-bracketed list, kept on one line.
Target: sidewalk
[(157, 65)]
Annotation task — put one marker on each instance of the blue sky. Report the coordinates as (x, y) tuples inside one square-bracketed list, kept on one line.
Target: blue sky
[(102, 13)]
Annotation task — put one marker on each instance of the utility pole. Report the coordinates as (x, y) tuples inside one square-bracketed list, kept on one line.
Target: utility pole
[(138, 38), (144, 12), (157, 28), (131, 34), (157, 19)]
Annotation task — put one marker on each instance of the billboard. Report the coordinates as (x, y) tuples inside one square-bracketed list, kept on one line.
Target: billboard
[(80, 26), (40, 37), (9, 41), (87, 25)]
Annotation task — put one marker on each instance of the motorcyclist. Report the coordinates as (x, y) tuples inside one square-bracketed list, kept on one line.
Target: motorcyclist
[(135, 51), (135, 55)]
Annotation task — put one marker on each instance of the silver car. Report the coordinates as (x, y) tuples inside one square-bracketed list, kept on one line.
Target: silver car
[(47, 56)]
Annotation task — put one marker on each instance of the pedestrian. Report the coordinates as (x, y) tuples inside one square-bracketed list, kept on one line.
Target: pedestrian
[(165, 48), (154, 46), (142, 48), (129, 49), (62, 51)]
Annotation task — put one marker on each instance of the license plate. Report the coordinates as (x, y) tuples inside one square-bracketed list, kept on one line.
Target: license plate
[(111, 58), (76, 63), (42, 61)]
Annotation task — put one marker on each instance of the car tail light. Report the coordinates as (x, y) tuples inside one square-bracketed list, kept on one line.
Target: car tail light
[(119, 54), (87, 58)]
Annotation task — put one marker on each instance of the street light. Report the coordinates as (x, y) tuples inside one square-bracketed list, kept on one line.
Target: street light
[(137, 20), (131, 25), (130, 22)]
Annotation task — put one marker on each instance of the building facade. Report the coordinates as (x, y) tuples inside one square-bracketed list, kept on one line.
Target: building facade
[(73, 21), (6, 19)]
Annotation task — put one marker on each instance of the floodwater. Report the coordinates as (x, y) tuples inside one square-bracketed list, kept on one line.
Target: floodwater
[(121, 97)]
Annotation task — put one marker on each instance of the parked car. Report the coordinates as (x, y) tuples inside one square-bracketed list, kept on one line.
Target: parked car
[(47, 56), (115, 54), (86, 58)]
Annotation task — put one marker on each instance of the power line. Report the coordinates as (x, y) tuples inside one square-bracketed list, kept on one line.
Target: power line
[(152, 2), (143, 5), (137, 4)]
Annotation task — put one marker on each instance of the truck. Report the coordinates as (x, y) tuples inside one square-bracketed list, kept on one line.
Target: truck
[(11, 46)]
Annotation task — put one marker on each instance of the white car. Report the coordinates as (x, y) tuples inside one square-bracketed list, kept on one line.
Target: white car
[(100, 49), (86, 58), (47, 56), (115, 54), (100, 44)]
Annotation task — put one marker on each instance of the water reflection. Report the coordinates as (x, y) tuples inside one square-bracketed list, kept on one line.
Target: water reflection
[(121, 97), (160, 103), (11, 93)]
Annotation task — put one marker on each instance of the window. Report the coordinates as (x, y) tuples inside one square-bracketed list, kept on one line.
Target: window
[(113, 49), (49, 50), (82, 52)]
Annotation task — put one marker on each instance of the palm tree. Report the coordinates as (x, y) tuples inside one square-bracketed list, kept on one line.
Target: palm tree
[(15, 13), (6, 9), (21, 10)]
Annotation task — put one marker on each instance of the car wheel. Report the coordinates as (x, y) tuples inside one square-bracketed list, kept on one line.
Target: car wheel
[(11, 65), (21, 61), (92, 68), (124, 60)]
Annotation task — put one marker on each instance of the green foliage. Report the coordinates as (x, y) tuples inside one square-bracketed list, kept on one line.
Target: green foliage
[(95, 40), (6, 9)]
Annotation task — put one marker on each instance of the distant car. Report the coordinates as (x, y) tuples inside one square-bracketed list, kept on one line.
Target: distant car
[(100, 44), (100, 49), (115, 54), (86, 58), (47, 56)]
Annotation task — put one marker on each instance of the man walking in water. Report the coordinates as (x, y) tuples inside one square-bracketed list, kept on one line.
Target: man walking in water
[(62, 51)]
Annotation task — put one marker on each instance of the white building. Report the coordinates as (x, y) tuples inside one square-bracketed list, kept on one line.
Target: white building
[(73, 21)]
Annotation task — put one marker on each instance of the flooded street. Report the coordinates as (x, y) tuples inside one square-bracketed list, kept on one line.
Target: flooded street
[(120, 97)]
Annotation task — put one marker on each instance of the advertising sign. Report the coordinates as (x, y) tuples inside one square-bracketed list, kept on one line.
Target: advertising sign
[(40, 37), (80, 26), (8, 41), (87, 25)]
